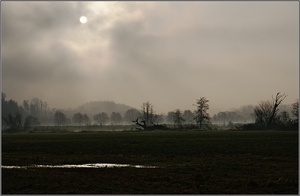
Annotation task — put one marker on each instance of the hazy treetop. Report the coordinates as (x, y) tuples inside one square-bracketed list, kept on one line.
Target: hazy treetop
[(170, 53)]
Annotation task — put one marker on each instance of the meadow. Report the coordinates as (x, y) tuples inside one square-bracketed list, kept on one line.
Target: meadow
[(188, 161)]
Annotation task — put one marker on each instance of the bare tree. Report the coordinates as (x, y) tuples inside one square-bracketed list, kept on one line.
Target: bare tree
[(266, 112), (147, 123), (263, 113), (201, 113), (276, 102), (148, 113)]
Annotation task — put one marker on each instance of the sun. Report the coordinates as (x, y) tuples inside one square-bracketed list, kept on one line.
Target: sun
[(83, 19)]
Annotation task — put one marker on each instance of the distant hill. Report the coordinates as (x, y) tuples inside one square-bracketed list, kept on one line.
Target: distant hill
[(94, 107)]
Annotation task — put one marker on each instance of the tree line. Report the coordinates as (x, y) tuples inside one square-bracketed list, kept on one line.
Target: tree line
[(266, 115)]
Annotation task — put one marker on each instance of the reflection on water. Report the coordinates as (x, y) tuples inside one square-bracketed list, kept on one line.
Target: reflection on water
[(91, 165)]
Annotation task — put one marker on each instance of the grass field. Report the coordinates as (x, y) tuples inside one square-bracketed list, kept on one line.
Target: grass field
[(201, 162)]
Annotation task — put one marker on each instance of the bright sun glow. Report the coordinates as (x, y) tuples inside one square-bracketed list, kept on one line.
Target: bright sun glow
[(83, 19)]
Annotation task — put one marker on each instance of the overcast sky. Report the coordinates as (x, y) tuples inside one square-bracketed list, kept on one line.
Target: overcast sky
[(168, 53)]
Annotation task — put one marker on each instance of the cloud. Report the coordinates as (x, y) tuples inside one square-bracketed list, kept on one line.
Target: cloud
[(169, 53)]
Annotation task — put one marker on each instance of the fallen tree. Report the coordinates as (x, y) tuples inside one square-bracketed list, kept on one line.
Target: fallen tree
[(142, 123)]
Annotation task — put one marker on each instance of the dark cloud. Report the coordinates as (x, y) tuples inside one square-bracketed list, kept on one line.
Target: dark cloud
[(34, 51), (169, 53)]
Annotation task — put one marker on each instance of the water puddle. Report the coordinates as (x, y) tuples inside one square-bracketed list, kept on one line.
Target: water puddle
[(90, 165)]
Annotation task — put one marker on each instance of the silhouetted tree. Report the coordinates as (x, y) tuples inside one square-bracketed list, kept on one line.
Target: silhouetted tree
[(148, 113), (149, 117), (60, 118), (276, 102), (202, 116), (11, 114), (266, 112), (262, 113), (141, 122), (9, 106), (13, 121)]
